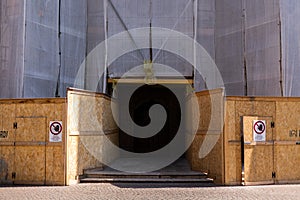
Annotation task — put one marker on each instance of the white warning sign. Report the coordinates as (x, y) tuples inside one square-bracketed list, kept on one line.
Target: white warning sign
[(259, 130), (55, 131)]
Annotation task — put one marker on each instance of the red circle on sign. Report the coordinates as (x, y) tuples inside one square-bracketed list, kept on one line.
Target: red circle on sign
[(56, 125), (261, 127)]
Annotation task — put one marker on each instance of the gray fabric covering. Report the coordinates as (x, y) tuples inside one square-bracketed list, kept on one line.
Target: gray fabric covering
[(255, 44)]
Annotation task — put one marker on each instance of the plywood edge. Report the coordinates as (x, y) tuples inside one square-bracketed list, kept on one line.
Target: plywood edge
[(259, 183), (233, 183), (34, 101), (267, 143), (210, 92), (288, 181), (234, 142), (290, 142), (34, 183), (87, 93), (6, 143), (265, 98)]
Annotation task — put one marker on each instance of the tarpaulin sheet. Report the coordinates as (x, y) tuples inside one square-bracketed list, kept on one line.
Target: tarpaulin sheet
[(255, 44)]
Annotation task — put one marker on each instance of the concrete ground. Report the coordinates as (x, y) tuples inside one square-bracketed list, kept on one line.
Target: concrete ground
[(155, 191)]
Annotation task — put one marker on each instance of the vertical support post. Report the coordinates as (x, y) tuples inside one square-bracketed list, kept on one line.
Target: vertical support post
[(280, 46), (244, 47), (106, 46), (59, 50), (195, 27)]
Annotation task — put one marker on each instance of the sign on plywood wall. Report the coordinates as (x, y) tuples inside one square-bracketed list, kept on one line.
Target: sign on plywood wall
[(55, 131), (259, 130)]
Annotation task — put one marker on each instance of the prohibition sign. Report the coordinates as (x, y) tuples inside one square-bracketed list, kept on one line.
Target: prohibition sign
[(259, 127), (56, 128)]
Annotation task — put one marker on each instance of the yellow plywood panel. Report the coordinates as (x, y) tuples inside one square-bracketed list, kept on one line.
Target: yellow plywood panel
[(248, 128), (233, 163), (230, 122), (242, 108), (52, 109), (287, 162), (54, 165), (30, 164), (28, 110), (235, 109), (8, 110), (6, 163), (213, 162), (83, 114), (89, 121), (91, 150), (86, 159), (287, 115), (107, 117), (205, 112), (265, 108), (258, 166), (89, 113), (207, 156), (79, 157), (7, 119), (31, 129), (28, 158), (211, 105), (72, 156)]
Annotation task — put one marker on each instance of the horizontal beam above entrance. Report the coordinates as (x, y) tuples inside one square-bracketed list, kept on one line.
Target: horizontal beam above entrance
[(156, 81)]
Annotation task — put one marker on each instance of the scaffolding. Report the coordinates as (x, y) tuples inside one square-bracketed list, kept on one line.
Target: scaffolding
[(255, 44)]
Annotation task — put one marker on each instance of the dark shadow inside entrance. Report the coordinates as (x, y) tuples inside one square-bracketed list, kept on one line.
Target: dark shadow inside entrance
[(140, 103)]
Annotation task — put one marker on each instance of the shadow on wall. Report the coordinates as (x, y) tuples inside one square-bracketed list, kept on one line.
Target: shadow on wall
[(3, 170)]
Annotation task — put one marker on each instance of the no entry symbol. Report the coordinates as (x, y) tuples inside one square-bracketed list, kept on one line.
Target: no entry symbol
[(259, 127), (56, 128)]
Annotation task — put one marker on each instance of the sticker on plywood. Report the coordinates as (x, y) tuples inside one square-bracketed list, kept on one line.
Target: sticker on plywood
[(55, 133), (259, 130)]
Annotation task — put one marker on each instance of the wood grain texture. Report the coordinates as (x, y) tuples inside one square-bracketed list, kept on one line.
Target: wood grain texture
[(233, 166), (259, 157), (30, 163), (6, 163), (90, 121), (287, 163), (287, 119), (27, 151), (258, 163), (210, 129)]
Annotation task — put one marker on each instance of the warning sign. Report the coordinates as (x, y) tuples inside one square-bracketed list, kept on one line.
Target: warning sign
[(259, 130), (55, 131)]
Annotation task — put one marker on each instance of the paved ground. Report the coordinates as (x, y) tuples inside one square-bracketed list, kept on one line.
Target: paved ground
[(143, 191)]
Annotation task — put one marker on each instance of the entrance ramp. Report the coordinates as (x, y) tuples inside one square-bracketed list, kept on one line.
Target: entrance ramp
[(178, 172)]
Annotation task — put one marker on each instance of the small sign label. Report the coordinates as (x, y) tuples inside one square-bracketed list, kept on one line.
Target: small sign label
[(3, 134), (259, 130), (55, 131), (294, 133)]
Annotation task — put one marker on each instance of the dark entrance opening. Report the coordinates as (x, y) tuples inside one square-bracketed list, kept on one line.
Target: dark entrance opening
[(140, 103)]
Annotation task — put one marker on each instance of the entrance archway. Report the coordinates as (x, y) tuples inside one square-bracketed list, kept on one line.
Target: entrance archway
[(140, 103)]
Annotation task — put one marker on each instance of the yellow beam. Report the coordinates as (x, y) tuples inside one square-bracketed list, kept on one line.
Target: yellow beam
[(156, 81)]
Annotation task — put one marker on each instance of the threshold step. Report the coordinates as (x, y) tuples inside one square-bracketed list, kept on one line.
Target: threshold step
[(145, 180), (146, 176), (118, 173)]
